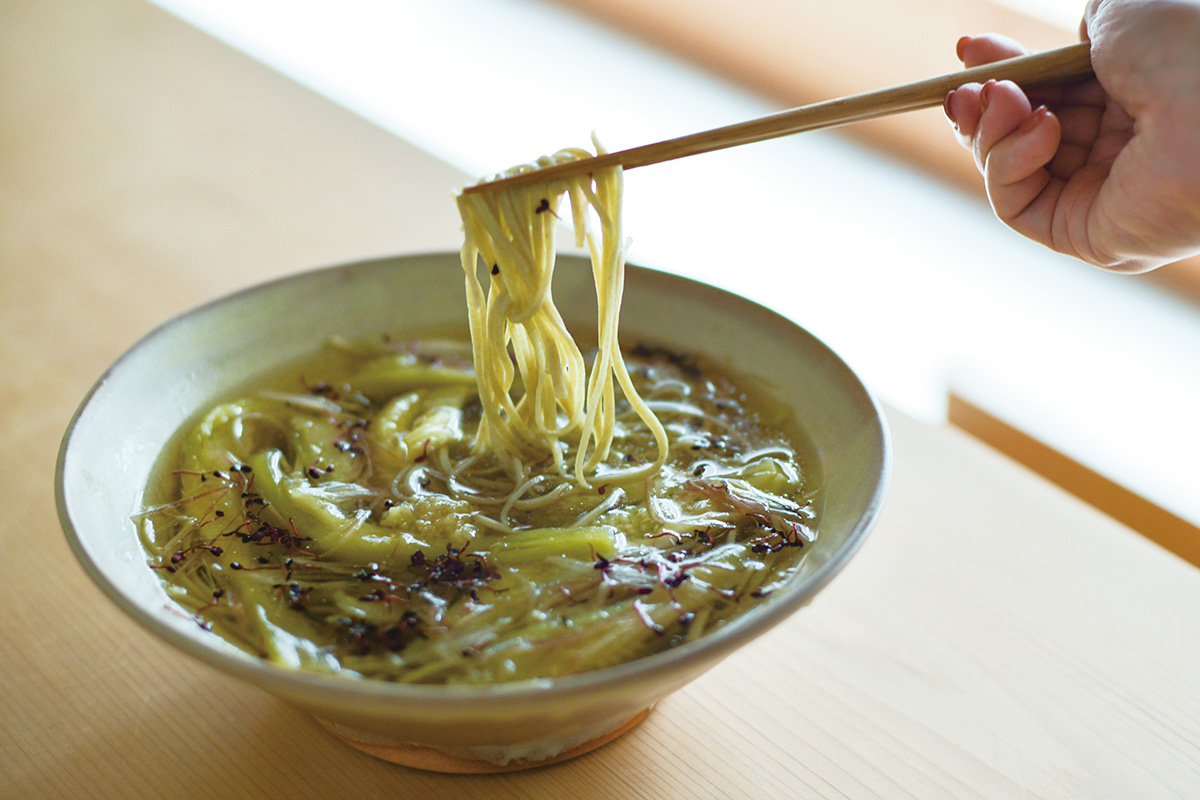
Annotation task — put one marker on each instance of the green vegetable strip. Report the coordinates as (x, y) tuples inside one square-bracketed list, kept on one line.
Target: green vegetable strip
[(330, 525)]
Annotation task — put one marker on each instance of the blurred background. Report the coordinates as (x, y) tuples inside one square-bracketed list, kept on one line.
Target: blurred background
[(877, 238)]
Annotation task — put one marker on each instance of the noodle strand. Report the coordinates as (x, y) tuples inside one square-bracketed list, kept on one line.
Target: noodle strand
[(520, 342)]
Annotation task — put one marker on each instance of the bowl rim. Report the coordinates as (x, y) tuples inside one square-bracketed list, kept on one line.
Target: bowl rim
[(335, 687)]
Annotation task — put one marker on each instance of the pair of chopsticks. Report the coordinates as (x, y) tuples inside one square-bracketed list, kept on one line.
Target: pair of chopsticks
[(1061, 66)]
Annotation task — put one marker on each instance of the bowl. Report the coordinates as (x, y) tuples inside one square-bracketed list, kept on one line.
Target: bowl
[(190, 362)]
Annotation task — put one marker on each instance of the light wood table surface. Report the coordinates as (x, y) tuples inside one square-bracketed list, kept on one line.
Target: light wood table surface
[(995, 638)]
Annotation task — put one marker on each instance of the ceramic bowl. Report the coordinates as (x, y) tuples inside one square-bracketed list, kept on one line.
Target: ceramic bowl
[(188, 363)]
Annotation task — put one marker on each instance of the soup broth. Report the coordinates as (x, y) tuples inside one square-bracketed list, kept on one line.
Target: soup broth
[(340, 518)]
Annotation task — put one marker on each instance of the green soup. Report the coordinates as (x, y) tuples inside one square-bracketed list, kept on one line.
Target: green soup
[(338, 519)]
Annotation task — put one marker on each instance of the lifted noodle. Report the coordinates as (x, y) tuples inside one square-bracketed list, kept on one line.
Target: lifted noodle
[(518, 334)]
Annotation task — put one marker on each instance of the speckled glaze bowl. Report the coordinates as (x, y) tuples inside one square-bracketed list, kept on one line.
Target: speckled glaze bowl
[(162, 382)]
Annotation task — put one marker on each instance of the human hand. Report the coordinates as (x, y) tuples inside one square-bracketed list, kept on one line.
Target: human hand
[(1108, 170)]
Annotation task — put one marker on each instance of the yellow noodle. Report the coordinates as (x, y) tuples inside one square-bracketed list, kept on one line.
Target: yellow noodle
[(513, 232)]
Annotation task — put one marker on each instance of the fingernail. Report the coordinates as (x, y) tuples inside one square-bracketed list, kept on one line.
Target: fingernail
[(1029, 123), (946, 108), (958, 48), (983, 95)]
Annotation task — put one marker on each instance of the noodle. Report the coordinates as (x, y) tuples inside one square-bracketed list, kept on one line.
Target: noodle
[(417, 516), (518, 334)]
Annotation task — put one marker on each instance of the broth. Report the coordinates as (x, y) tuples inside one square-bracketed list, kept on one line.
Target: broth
[(338, 517)]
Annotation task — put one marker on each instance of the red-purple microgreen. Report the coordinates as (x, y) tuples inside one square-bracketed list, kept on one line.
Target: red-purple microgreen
[(639, 609), (216, 596), (684, 362), (382, 595), (456, 567), (362, 638), (544, 208), (667, 568), (320, 389), (603, 564), (294, 595), (776, 540)]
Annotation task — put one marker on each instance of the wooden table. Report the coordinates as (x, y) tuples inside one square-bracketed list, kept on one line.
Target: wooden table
[(995, 638)]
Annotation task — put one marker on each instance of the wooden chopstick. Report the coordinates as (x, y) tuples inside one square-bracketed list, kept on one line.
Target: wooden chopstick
[(1053, 67)]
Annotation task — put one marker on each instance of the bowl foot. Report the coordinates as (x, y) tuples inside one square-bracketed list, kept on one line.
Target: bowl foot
[(434, 760)]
